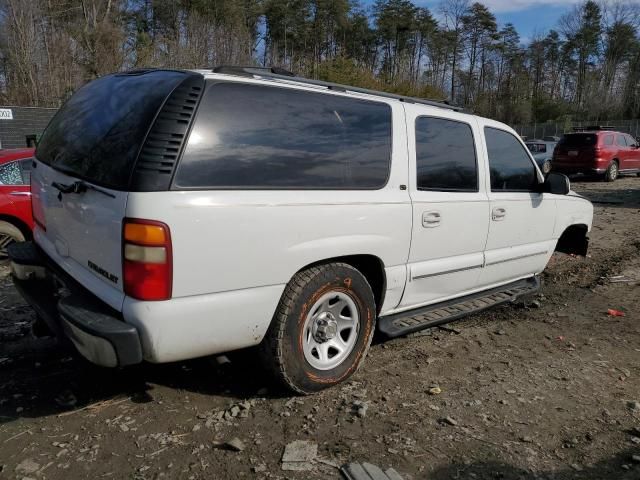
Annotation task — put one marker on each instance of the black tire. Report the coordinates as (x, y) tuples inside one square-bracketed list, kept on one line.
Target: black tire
[(546, 167), (9, 234), (282, 349), (612, 172)]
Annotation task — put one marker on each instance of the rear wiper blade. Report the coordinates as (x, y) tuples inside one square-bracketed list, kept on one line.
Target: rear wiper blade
[(78, 187)]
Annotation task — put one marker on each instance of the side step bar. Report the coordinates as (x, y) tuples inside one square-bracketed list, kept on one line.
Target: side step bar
[(403, 323)]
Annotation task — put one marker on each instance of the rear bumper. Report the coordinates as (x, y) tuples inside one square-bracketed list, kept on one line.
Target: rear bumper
[(97, 331), (589, 170)]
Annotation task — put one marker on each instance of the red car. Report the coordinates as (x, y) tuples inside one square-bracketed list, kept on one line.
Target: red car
[(16, 221), (597, 150)]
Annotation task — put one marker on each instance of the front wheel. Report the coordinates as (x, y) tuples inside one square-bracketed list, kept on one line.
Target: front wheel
[(612, 172), (322, 329), (546, 167)]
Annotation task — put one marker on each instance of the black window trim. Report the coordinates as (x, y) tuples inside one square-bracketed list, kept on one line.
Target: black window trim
[(475, 154), (531, 160), (210, 83), (18, 161)]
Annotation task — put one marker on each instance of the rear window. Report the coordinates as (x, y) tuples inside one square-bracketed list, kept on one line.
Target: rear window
[(97, 133), (536, 147), (262, 137), (579, 140)]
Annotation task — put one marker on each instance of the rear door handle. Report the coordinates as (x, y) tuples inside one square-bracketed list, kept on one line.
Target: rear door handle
[(20, 194), (498, 214), (431, 219)]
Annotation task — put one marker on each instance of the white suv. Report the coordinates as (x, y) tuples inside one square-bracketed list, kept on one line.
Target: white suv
[(187, 213)]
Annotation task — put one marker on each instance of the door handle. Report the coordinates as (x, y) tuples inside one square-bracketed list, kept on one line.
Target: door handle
[(20, 194), (431, 219), (498, 214)]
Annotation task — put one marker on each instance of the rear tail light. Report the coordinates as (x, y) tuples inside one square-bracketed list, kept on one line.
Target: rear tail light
[(147, 259)]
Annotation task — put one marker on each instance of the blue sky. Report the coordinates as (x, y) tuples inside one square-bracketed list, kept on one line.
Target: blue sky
[(530, 17)]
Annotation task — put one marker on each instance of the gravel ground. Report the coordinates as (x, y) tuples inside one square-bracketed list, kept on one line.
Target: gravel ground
[(543, 390)]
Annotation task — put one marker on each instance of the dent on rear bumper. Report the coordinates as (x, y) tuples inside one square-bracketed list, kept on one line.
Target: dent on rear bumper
[(196, 326)]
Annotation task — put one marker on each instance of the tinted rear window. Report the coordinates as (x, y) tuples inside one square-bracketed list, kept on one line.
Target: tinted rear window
[(252, 136), (97, 133), (579, 140)]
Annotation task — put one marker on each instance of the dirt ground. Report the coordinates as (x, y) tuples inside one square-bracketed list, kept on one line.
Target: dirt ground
[(547, 390)]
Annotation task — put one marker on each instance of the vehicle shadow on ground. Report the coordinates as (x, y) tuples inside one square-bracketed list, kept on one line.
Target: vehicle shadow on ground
[(49, 379), (610, 468)]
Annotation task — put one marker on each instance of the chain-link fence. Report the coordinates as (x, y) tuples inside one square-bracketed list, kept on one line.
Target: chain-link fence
[(556, 129)]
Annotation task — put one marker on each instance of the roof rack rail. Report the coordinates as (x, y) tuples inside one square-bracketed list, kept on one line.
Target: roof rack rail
[(592, 127), (282, 74), (249, 71)]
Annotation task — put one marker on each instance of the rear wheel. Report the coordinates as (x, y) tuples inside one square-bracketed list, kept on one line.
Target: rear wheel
[(9, 234), (612, 172), (322, 329), (546, 167)]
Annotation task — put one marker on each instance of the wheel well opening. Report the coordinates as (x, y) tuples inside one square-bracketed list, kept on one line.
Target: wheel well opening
[(574, 240), (371, 267), (23, 227)]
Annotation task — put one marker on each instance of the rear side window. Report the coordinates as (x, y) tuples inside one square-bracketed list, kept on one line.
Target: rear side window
[(445, 155), (608, 140), (509, 164), (97, 134), (620, 141), (578, 140), (257, 137)]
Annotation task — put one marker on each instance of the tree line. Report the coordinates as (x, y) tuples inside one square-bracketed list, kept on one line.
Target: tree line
[(586, 67)]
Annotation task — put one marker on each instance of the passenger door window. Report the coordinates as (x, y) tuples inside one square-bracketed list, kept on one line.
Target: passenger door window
[(620, 141), (445, 155), (510, 166)]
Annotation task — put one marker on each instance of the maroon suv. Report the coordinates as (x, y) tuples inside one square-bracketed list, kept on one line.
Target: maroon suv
[(597, 150)]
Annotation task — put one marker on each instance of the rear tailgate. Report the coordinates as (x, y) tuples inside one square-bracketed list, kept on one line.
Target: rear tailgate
[(83, 231), (83, 171), (575, 150)]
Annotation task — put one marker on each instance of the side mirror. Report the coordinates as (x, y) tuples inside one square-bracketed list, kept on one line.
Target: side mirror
[(556, 183)]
